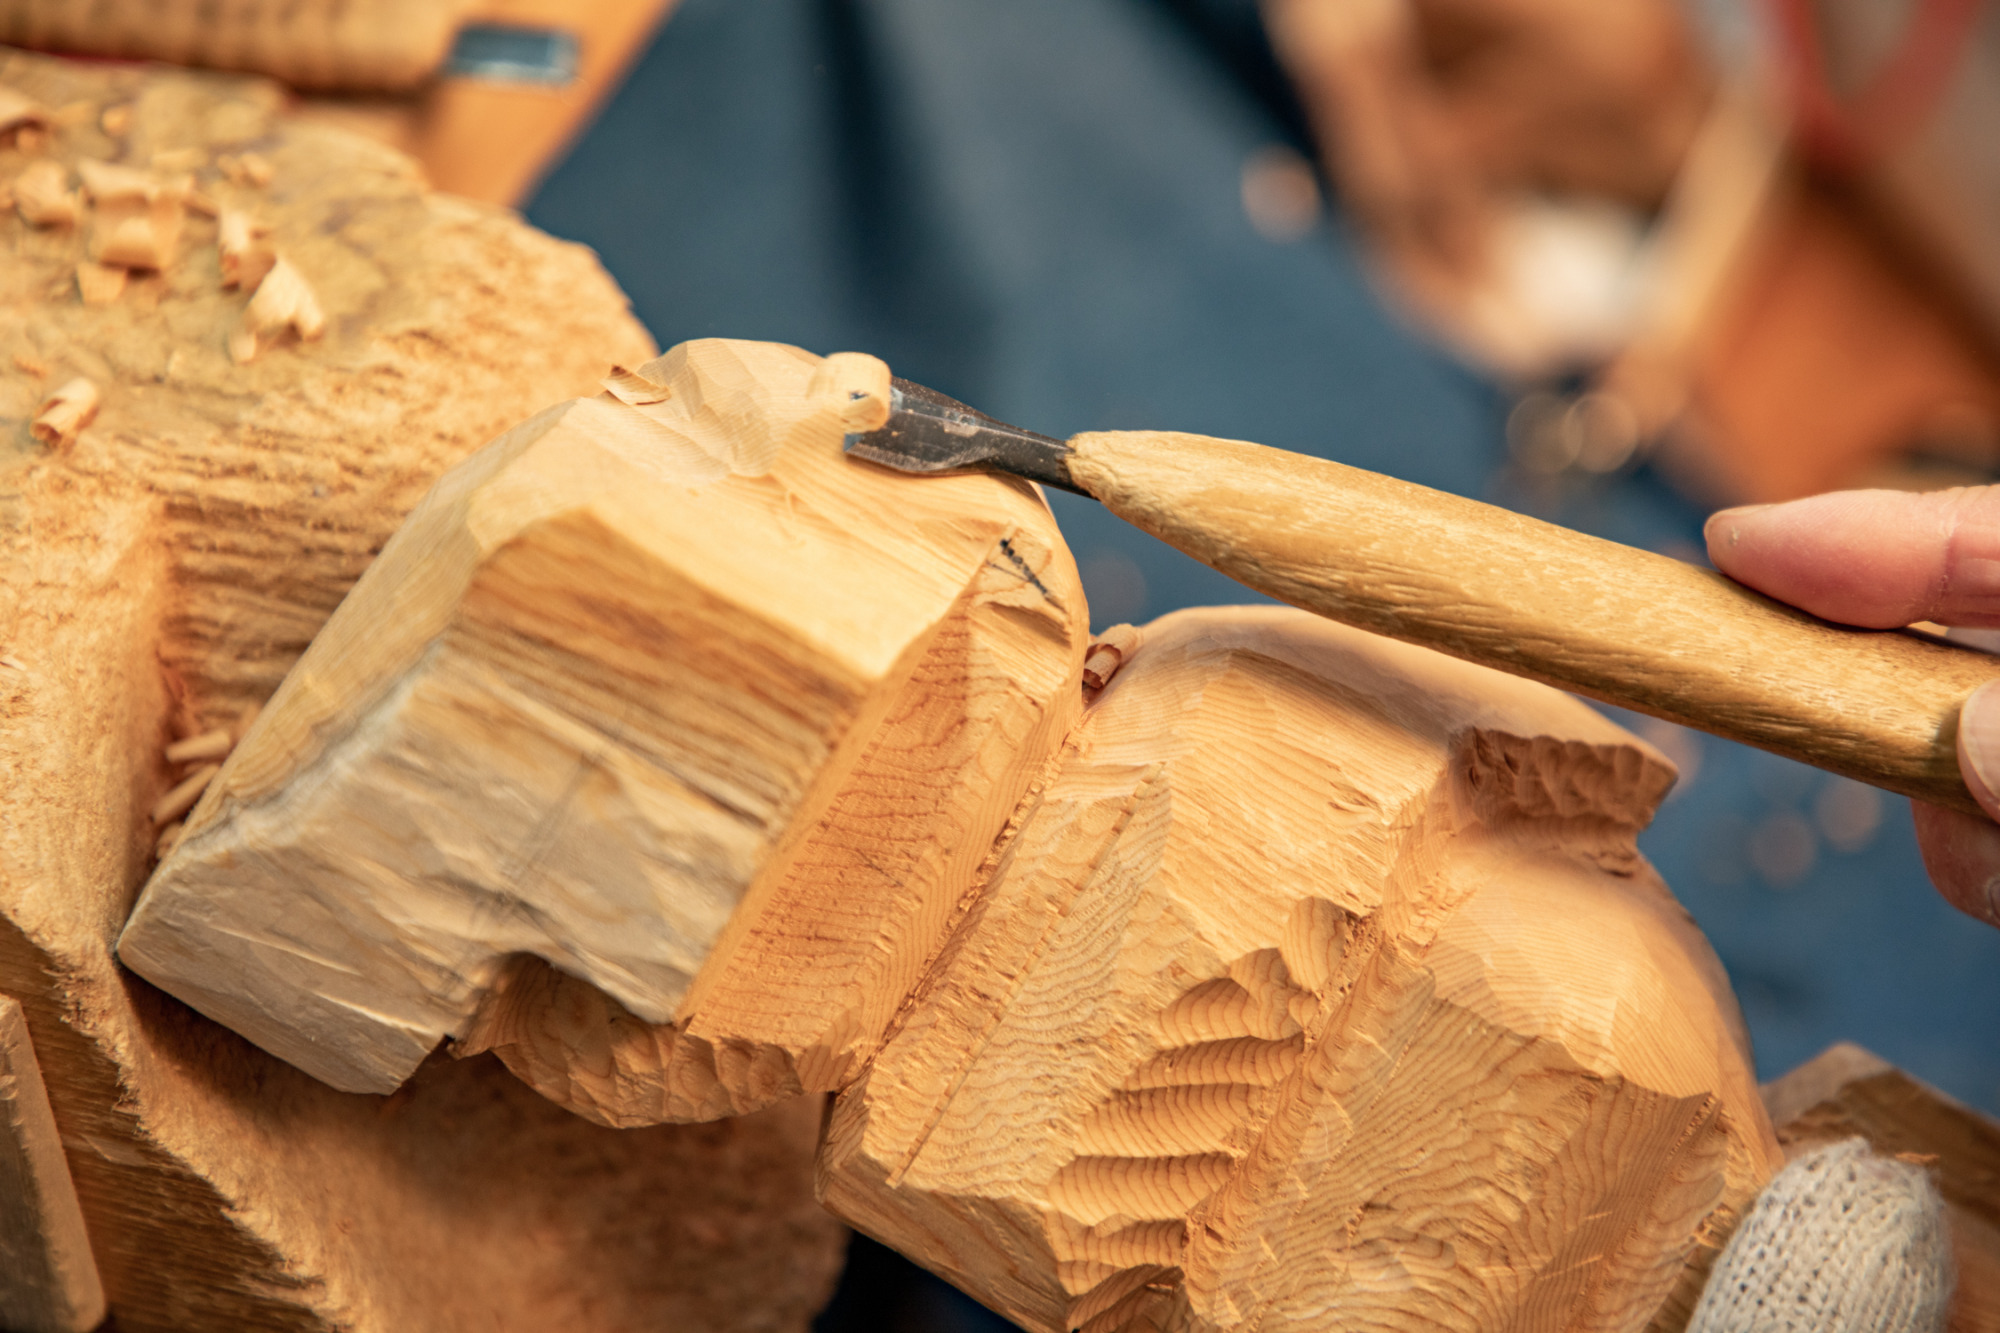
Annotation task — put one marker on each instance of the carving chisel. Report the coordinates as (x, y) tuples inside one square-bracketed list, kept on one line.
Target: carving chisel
[(1621, 625)]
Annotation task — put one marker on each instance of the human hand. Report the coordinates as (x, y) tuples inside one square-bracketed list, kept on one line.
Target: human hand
[(1884, 559)]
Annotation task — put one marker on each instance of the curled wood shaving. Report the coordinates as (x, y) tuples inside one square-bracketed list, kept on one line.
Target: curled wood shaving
[(247, 254), (633, 389), (184, 794), (110, 183), (212, 744), (284, 300), (99, 284), (245, 169), (42, 196), (64, 413), (1108, 651), (145, 236), (20, 112)]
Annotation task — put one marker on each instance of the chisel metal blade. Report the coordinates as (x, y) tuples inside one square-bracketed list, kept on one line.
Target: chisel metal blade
[(930, 434)]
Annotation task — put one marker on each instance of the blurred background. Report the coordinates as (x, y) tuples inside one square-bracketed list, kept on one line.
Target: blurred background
[(1614, 263)]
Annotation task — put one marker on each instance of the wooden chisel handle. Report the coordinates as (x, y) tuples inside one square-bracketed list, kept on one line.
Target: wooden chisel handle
[(1617, 624)]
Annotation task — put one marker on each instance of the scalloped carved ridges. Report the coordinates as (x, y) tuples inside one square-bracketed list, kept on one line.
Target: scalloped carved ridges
[(1321, 985)]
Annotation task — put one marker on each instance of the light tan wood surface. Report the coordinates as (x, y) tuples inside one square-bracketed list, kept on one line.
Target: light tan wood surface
[(159, 575), (660, 689), (1847, 1091), (1321, 986), (48, 1278), (1622, 625)]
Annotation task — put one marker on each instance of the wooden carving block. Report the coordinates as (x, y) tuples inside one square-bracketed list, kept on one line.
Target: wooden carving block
[(160, 571), (659, 689), (1321, 987), (48, 1279)]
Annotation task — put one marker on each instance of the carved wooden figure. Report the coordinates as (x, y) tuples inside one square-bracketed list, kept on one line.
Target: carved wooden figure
[(1321, 987), (1301, 979)]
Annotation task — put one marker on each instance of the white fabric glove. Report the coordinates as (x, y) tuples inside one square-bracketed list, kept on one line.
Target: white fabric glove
[(1844, 1240)]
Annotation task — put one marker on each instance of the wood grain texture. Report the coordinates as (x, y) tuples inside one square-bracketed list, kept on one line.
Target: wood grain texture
[(1625, 626), (160, 576), (1847, 1091), (1321, 986), (663, 691), (48, 1278)]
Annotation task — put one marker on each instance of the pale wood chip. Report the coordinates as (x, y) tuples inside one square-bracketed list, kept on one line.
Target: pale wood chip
[(31, 365), (178, 159), (99, 284), (116, 120), (184, 794), (142, 235), (64, 413), (110, 183), (1108, 651), (633, 389), (209, 745), (284, 300), (245, 168), (42, 196), (18, 111), (247, 254)]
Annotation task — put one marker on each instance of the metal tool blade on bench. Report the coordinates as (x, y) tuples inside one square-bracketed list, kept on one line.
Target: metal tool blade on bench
[(930, 433)]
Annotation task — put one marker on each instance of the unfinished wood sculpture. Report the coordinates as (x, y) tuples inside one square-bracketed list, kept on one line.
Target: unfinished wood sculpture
[(1847, 1091), (1321, 987), (163, 566), (661, 690), (48, 1279)]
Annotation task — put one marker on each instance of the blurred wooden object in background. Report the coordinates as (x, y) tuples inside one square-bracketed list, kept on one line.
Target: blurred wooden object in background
[(486, 128)]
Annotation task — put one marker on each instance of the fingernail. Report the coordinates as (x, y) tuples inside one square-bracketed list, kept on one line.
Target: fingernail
[(1979, 748), (1726, 523)]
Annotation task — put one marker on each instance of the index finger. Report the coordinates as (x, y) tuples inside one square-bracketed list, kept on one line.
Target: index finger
[(1879, 559)]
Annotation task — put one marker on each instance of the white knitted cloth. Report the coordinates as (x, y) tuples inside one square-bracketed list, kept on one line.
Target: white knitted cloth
[(1843, 1240)]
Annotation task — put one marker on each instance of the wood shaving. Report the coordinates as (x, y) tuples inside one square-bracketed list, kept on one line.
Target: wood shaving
[(13, 663), (245, 169), (31, 365), (110, 183), (178, 159), (633, 389), (170, 838), (99, 284), (42, 196), (284, 300), (213, 744), (244, 723), (147, 235), (1108, 651), (184, 794), (116, 120), (20, 112), (64, 413), (247, 255)]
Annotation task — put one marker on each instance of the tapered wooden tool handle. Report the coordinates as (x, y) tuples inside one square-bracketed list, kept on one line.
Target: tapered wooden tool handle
[(1625, 626)]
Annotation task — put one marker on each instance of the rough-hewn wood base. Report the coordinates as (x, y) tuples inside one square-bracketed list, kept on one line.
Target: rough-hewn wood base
[(161, 574)]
